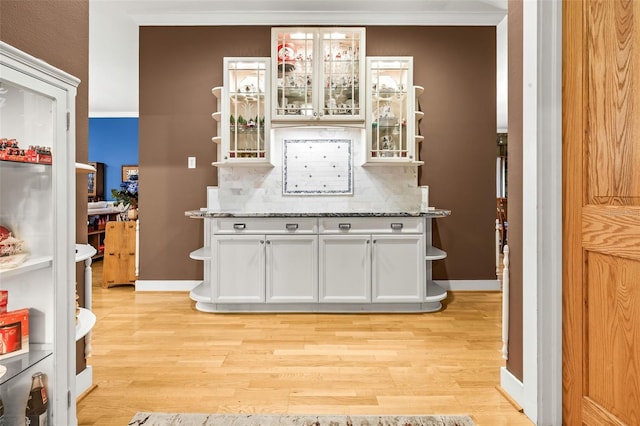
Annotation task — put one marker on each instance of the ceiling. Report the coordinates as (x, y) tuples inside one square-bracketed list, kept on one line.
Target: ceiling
[(113, 30)]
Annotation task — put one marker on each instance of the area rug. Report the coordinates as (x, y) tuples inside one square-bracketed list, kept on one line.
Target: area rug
[(175, 419)]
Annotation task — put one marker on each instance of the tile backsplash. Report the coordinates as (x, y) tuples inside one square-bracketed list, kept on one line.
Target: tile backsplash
[(260, 189)]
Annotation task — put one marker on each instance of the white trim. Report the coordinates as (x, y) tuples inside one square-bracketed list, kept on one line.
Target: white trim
[(320, 17), (542, 211), (166, 285), (114, 114), (469, 285), (84, 380), (511, 385)]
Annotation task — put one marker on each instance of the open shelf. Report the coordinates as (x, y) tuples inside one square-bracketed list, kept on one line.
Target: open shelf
[(203, 253), (19, 363), (31, 264), (434, 253), (86, 321)]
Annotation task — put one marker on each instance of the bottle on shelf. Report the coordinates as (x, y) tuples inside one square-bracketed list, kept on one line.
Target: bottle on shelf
[(37, 411)]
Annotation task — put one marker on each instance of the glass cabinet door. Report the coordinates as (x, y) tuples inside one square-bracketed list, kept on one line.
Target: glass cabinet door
[(390, 106), (317, 73), (245, 110), (37, 219)]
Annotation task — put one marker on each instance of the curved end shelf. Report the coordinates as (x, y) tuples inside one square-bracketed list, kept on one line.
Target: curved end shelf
[(203, 253), (84, 168), (434, 253), (84, 252), (419, 115), (419, 138), (217, 116), (217, 139), (419, 90), (86, 321), (201, 293), (217, 91), (435, 293)]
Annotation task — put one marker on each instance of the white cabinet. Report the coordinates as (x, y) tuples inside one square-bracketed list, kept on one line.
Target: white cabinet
[(378, 260), (243, 115), (345, 269), (258, 260), (291, 268), (37, 203), (335, 263), (391, 117), (397, 268), (238, 269), (317, 74)]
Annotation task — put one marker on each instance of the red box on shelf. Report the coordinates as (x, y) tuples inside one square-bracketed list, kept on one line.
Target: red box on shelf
[(14, 333), (4, 298)]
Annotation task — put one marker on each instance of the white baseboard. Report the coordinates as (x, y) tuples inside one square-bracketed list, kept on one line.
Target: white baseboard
[(469, 285), (166, 285), (512, 386), (84, 380), (188, 285)]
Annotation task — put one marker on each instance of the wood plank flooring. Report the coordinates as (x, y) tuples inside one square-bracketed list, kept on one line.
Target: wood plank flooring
[(153, 351)]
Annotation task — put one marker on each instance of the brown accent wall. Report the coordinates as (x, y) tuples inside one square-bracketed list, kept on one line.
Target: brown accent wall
[(180, 65), (514, 363), (58, 33)]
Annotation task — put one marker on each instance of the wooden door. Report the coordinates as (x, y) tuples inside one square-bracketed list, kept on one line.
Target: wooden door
[(601, 220)]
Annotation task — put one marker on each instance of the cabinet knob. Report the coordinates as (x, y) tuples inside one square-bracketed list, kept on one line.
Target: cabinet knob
[(268, 241), (261, 241), (344, 226), (291, 226), (239, 226), (396, 226), (375, 241)]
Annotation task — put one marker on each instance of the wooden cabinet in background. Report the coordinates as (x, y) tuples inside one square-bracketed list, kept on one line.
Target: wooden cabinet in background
[(119, 254), (95, 182)]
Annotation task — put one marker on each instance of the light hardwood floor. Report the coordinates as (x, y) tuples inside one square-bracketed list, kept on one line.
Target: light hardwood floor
[(153, 351)]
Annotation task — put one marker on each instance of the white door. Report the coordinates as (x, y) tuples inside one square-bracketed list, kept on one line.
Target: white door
[(291, 268), (397, 268), (345, 269), (237, 268)]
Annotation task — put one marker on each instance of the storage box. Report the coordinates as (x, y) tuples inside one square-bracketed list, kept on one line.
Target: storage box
[(4, 298), (14, 333)]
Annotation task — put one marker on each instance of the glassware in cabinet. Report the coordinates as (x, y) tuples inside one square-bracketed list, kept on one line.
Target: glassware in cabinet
[(243, 116), (317, 74), (391, 124), (37, 187)]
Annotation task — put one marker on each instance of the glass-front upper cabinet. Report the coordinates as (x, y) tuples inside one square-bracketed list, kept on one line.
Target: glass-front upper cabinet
[(37, 234), (317, 74), (391, 120), (243, 112)]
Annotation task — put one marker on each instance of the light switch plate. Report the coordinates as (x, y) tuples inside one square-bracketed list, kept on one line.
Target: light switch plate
[(191, 162)]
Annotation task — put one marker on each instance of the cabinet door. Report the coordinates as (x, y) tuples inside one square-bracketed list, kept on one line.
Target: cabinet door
[(244, 123), (317, 73), (398, 268), (292, 268), (237, 265), (390, 105), (345, 269), (37, 204)]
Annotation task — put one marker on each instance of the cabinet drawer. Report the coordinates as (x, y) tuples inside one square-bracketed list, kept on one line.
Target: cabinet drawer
[(244, 225), (377, 225)]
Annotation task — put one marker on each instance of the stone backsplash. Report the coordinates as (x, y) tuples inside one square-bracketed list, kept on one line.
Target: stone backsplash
[(260, 189)]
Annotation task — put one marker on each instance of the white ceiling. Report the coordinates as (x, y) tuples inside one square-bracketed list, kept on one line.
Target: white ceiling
[(113, 30)]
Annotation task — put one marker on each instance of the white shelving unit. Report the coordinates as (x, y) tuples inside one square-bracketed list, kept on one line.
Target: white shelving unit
[(37, 203)]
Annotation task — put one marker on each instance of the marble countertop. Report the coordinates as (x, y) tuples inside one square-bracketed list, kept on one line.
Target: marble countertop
[(204, 213)]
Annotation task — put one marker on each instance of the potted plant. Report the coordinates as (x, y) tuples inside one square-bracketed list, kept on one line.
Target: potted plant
[(127, 195)]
